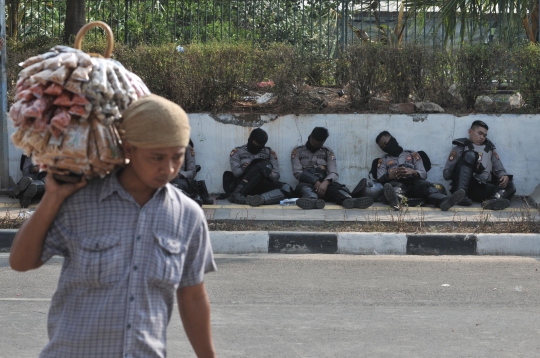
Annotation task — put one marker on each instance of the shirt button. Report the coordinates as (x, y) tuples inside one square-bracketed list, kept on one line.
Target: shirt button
[(131, 298), (128, 326), (135, 267)]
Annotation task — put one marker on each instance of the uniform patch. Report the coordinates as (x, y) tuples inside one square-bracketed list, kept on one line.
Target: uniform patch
[(390, 162), (274, 154), (234, 151), (409, 158), (495, 154), (332, 156), (379, 163), (293, 154), (416, 156), (192, 151), (452, 156)]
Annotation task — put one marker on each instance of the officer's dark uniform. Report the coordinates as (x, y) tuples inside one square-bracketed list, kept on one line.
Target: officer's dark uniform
[(256, 177), (321, 165), (186, 182), (411, 186), (477, 169)]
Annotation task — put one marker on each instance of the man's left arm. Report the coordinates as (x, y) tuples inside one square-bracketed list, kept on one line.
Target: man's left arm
[(419, 166), (190, 166), (275, 165), (194, 307), (331, 166), (498, 169)]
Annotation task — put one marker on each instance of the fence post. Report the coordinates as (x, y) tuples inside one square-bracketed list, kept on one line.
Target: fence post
[(4, 144)]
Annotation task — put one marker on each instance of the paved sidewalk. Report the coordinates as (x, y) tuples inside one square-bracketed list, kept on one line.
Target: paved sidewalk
[(224, 211)]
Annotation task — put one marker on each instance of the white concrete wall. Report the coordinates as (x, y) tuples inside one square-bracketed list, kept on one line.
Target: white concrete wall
[(352, 137)]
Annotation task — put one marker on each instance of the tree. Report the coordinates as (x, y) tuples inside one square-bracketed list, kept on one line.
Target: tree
[(75, 18)]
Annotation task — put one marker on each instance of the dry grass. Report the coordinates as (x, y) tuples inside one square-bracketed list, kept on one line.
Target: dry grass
[(521, 220)]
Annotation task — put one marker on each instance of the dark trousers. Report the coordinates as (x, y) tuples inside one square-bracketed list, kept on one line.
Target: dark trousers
[(415, 189), (188, 186), (306, 190)]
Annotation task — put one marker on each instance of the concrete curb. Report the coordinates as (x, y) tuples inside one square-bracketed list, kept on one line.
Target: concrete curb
[(361, 243)]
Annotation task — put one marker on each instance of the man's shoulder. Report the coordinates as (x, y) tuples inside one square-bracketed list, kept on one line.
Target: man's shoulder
[(238, 149), (187, 205)]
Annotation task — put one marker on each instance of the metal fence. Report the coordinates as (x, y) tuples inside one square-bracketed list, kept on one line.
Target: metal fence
[(318, 26)]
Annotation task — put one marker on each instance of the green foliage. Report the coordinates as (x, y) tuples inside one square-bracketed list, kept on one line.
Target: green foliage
[(476, 67), (527, 61), (213, 76)]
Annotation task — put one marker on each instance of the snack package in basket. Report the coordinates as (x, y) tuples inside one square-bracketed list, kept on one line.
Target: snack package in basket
[(68, 107)]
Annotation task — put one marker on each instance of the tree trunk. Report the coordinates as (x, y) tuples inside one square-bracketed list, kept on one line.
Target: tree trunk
[(75, 19), (13, 18)]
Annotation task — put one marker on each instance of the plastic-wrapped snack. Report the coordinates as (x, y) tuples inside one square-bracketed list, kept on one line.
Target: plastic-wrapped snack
[(138, 84), (84, 59), (18, 136), (60, 75), (109, 150), (52, 63), (39, 140), (31, 70), (80, 100), (40, 124), (37, 90), (64, 100), (15, 113), (99, 75), (81, 74), (59, 122), (39, 58), (54, 89), (73, 165), (25, 95), (69, 59), (77, 110), (73, 86), (42, 77), (75, 141), (37, 108), (26, 143)]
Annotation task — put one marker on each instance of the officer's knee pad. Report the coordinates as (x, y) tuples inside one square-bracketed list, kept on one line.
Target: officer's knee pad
[(287, 189), (470, 157)]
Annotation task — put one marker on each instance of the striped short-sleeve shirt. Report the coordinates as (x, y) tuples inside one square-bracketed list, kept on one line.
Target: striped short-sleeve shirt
[(123, 264)]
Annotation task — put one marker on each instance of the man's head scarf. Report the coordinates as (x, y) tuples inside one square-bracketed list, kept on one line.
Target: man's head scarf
[(155, 122)]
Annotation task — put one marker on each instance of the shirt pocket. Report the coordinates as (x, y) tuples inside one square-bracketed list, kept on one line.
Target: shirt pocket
[(167, 262), (100, 263)]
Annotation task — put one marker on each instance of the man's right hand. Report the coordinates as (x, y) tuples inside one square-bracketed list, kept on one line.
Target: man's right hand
[(62, 191), (245, 165), (392, 174), (35, 169)]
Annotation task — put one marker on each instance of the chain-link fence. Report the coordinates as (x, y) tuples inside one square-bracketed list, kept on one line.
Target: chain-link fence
[(318, 26)]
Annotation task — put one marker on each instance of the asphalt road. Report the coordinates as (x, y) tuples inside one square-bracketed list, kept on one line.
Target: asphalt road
[(331, 306)]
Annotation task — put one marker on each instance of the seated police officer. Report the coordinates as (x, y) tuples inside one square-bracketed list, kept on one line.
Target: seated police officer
[(32, 185), (474, 166), (403, 174), (314, 165), (185, 181), (256, 170)]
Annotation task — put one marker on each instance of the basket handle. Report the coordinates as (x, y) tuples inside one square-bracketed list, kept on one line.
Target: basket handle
[(90, 25)]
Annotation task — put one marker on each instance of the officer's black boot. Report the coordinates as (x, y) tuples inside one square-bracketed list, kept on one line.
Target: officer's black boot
[(22, 185), (390, 194), (498, 201), (309, 199), (239, 194), (465, 174), (36, 189), (203, 192), (445, 202), (268, 198), (344, 199), (196, 198)]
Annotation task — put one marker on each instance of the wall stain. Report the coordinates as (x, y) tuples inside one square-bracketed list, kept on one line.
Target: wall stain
[(419, 117), (245, 120)]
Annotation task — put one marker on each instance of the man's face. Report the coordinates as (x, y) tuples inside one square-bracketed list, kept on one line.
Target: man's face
[(478, 135), (316, 143), (383, 141), (157, 166)]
